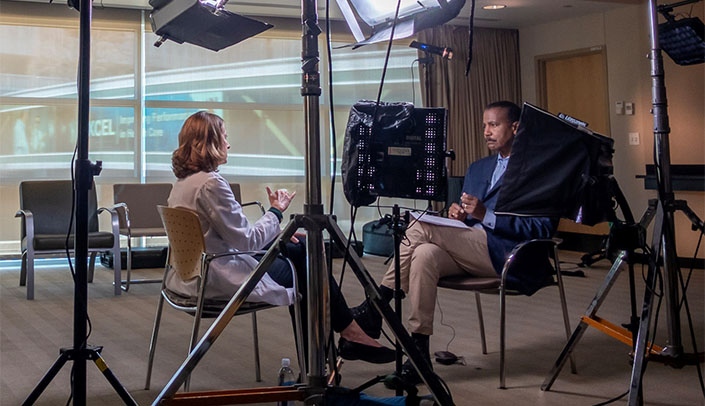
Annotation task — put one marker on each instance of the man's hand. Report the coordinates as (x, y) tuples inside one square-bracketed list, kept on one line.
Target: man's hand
[(456, 212), (472, 206)]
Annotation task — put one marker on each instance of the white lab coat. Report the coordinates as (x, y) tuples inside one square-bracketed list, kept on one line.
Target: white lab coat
[(225, 228)]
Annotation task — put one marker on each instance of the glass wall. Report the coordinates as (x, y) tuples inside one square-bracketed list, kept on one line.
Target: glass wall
[(141, 94)]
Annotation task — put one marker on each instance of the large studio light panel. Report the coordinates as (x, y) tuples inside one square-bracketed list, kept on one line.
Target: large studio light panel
[(204, 23), (394, 150), (373, 21), (683, 40)]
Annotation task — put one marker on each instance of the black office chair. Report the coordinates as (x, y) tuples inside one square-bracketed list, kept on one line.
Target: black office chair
[(531, 266), (45, 210)]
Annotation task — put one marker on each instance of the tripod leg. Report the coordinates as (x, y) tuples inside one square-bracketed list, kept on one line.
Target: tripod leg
[(94, 354), (635, 393), (590, 313), (46, 380), (441, 395), (67, 354)]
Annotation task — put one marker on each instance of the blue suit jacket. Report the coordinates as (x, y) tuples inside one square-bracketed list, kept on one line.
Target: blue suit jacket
[(509, 230)]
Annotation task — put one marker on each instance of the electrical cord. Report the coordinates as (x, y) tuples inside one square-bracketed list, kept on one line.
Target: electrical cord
[(444, 324), (331, 108), (83, 301)]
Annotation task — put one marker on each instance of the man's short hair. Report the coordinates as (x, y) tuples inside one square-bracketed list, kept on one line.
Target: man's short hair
[(513, 111)]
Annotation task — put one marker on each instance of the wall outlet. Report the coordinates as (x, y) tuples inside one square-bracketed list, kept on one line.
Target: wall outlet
[(633, 138)]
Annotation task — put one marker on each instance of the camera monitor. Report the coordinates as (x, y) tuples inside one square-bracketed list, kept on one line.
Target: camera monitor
[(558, 168), (394, 150)]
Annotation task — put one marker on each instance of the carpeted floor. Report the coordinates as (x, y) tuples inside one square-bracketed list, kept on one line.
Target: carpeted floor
[(32, 332)]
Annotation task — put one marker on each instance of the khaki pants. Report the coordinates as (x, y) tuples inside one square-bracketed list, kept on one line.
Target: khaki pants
[(430, 252)]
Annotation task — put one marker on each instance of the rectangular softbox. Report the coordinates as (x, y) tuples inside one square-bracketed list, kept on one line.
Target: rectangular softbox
[(557, 169), (196, 23)]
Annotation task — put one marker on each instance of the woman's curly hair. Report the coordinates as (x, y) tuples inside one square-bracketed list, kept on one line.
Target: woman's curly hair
[(200, 145)]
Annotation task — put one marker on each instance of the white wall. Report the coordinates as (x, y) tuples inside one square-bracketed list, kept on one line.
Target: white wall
[(625, 35)]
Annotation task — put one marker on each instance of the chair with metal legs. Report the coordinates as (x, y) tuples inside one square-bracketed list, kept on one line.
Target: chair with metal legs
[(136, 203), (535, 261), (46, 213), (188, 259)]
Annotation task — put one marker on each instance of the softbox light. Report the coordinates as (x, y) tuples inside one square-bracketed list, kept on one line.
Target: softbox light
[(372, 20), (683, 40), (394, 150), (558, 169), (201, 22)]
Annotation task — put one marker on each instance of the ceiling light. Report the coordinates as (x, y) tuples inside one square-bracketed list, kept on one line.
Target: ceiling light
[(494, 7)]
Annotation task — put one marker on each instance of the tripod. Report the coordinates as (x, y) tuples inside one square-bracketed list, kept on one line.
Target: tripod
[(85, 170), (662, 253), (397, 224), (627, 238), (313, 390)]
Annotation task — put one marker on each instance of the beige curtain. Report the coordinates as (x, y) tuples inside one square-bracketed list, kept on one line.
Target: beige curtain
[(494, 75)]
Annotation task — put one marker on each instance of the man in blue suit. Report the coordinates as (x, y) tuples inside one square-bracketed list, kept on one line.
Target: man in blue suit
[(478, 247)]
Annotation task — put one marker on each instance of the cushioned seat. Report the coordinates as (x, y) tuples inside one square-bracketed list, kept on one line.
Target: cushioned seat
[(46, 209)]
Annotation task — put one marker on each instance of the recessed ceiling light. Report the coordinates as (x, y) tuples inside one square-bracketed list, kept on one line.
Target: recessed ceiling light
[(494, 7)]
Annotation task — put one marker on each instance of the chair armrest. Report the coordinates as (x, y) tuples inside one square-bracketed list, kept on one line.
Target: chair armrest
[(123, 214), (28, 224), (209, 257), (259, 204), (212, 256), (114, 220), (528, 267)]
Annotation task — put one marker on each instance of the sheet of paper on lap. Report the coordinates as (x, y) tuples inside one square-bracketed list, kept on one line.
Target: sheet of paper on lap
[(438, 220)]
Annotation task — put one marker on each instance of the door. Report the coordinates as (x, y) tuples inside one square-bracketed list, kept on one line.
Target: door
[(575, 83)]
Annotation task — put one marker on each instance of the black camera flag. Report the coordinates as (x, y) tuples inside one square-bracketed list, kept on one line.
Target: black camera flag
[(558, 168)]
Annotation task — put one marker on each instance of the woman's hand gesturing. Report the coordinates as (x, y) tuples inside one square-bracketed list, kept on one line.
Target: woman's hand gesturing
[(280, 198)]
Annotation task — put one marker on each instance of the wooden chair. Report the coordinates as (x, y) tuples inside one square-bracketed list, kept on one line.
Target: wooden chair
[(136, 203), (46, 211), (531, 266), (188, 259)]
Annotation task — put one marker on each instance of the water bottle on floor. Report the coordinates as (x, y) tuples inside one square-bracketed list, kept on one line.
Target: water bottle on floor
[(286, 378)]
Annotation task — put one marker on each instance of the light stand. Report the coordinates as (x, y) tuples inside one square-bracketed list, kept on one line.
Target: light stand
[(663, 242), (85, 170), (662, 253), (313, 391)]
